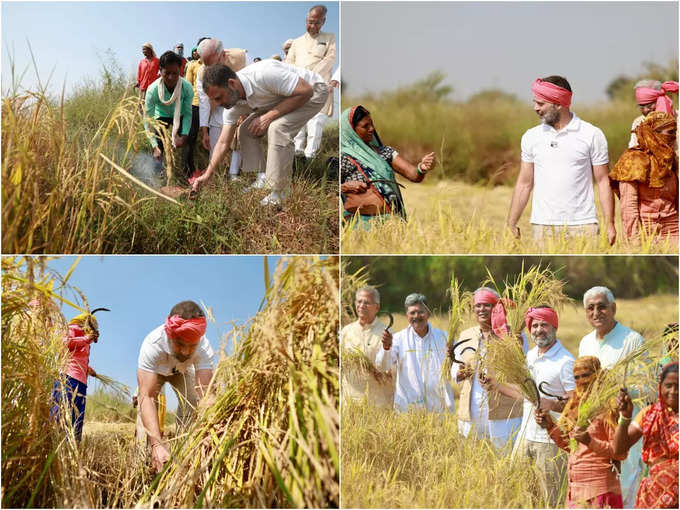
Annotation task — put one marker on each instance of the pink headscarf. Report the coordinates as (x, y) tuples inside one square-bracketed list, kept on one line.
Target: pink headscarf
[(499, 322), (551, 93), (646, 95), (188, 330), (544, 314)]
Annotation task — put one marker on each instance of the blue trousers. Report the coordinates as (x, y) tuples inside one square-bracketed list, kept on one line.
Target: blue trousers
[(76, 392)]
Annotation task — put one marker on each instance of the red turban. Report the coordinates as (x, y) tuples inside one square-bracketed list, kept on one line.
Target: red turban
[(499, 322), (187, 330), (551, 93), (646, 95), (544, 314)]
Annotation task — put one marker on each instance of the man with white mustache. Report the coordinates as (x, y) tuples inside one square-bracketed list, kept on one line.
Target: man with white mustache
[(418, 352)]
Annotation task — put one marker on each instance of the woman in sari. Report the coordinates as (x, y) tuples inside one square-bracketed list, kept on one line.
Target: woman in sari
[(369, 187), (657, 424), (646, 179), (593, 465)]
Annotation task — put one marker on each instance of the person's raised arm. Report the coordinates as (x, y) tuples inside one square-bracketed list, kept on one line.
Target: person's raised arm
[(601, 175), (405, 168), (626, 434), (520, 196)]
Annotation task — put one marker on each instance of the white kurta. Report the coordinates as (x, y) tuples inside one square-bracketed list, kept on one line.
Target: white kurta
[(419, 369)]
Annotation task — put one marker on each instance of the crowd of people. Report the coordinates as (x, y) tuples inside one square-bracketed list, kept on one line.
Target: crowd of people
[(603, 469), (561, 159), (234, 103)]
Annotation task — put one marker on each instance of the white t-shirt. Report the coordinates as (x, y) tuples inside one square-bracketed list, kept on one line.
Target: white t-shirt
[(156, 356), (556, 369), (266, 83), (419, 370), (563, 171)]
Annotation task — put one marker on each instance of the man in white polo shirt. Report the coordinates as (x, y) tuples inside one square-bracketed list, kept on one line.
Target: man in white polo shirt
[(418, 353), (176, 352), (552, 368), (278, 100), (560, 157)]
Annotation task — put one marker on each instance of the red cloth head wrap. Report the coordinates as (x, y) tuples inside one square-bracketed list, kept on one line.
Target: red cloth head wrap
[(544, 314), (551, 93), (188, 330), (499, 322), (646, 95)]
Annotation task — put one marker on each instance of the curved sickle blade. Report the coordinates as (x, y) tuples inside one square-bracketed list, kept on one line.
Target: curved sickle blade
[(391, 320), (453, 350), (540, 387), (99, 310)]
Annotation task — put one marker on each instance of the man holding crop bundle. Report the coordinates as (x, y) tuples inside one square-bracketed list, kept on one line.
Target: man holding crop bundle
[(560, 157), (418, 352), (178, 353), (609, 342), (278, 99), (366, 336)]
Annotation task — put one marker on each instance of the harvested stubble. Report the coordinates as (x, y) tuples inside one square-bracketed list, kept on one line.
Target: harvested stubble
[(271, 436)]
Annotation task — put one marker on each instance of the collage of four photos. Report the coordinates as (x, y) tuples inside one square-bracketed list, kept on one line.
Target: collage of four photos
[(350, 254)]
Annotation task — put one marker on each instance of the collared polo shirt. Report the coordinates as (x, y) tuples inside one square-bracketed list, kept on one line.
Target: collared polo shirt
[(563, 171), (556, 368), (419, 370), (266, 84), (616, 344), (368, 340), (156, 356)]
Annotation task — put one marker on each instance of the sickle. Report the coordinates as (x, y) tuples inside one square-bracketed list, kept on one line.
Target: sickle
[(99, 310), (391, 319), (453, 350), (540, 387), (538, 397)]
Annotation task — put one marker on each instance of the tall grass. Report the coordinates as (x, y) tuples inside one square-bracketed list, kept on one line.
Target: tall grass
[(268, 438), (59, 195)]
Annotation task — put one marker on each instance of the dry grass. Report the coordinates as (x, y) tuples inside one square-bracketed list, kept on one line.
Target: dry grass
[(455, 217), (269, 437)]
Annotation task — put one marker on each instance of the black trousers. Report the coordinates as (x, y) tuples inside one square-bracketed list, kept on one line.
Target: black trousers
[(188, 155)]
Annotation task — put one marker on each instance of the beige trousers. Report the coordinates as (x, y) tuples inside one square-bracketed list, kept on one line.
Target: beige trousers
[(185, 389), (280, 147), (541, 232), (551, 464)]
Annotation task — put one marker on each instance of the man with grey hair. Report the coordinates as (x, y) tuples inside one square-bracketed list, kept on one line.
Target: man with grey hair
[(418, 352), (210, 115), (609, 342), (314, 50), (277, 100), (365, 336)]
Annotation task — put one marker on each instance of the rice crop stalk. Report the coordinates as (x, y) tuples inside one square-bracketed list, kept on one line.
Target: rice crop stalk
[(506, 360), (356, 363), (461, 303), (116, 386)]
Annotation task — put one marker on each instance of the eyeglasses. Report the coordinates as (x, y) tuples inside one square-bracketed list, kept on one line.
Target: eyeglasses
[(311, 22)]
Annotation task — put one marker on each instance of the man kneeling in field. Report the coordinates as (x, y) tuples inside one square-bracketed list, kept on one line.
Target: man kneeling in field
[(178, 353)]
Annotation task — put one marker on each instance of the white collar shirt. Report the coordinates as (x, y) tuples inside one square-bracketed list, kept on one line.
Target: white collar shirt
[(616, 344), (419, 364), (155, 355), (266, 84), (563, 171), (556, 368)]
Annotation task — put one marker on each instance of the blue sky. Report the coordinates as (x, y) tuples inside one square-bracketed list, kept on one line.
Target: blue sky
[(140, 291), (505, 45), (70, 37)]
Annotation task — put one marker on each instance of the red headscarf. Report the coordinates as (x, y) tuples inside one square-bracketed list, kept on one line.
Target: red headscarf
[(544, 314), (188, 330), (660, 427), (499, 322), (646, 95), (551, 93)]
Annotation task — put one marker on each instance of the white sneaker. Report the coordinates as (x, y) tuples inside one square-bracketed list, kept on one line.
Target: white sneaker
[(260, 182), (275, 198)]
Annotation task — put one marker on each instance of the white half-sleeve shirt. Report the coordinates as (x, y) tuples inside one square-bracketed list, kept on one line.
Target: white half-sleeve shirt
[(563, 171), (156, 356), (266, 84), (616, 344)]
